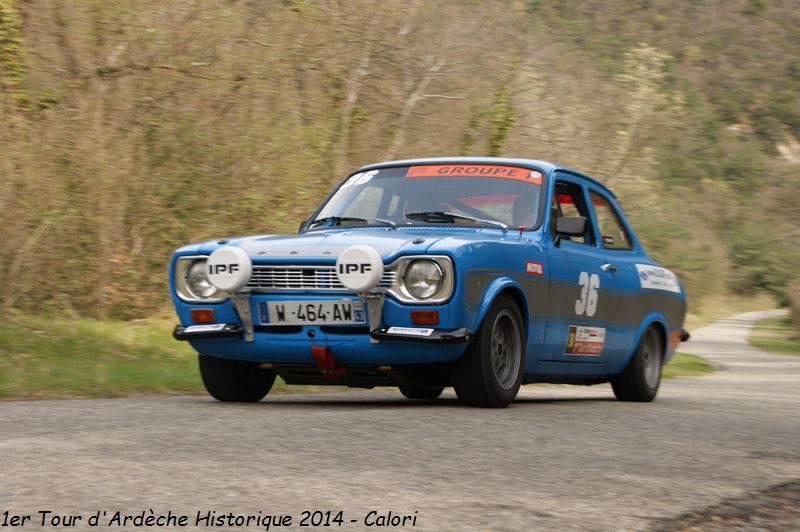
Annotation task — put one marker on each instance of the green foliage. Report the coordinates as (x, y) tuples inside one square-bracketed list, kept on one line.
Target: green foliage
[(47, 99), (793, 295), (761, 260), (686, 365), (51, 356), (502, 120), (745, 84), (471, 131), (693, 54), (59, 357), (298, 6), (755, 7), (779, 335), (12, 51)]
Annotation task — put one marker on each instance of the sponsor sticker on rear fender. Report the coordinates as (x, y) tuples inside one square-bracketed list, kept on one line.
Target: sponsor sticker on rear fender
[(657, 278)]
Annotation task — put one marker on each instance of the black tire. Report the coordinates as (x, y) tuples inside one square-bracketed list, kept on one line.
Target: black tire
[(420, 392), (490, 372), (642, 376), (235, 381)]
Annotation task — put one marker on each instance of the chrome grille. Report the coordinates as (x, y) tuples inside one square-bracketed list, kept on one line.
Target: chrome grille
[(301, 277)]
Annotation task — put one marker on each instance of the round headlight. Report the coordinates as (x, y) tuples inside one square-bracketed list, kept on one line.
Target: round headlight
[(423, 279), (197, 282)]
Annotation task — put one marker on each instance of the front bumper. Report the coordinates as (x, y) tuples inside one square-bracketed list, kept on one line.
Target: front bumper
[(438, 336), (351, 344), (234, 330), (230, 330), (294, 345)]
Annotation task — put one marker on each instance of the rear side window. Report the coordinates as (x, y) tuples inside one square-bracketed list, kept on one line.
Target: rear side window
[(612, 232)]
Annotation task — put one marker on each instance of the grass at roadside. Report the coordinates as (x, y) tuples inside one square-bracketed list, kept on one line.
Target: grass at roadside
[(59, 357), (686, 365), (56, 357), (778, 335)]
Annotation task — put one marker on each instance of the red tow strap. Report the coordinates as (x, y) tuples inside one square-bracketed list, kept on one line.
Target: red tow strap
[(325, 361)]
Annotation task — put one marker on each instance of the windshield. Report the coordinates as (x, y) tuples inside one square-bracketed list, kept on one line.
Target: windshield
[(464, 194)]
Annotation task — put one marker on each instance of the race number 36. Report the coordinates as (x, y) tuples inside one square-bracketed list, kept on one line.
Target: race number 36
[(587, 303)]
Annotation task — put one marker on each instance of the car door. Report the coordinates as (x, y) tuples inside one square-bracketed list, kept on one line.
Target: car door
[(621, 276), (575, 335)]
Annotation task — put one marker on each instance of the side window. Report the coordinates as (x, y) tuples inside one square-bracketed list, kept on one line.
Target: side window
[(610, 227), (568, 201)]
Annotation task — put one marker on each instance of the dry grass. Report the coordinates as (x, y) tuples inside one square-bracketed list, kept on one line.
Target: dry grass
[(130, 128)]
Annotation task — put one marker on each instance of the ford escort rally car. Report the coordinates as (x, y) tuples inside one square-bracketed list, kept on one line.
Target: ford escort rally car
[(478, 273)]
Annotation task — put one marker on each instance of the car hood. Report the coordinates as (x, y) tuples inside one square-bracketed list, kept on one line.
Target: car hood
[(327, 245)]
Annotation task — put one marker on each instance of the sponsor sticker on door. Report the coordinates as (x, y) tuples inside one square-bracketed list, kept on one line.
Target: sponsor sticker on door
[(585, 341), (657, 278)]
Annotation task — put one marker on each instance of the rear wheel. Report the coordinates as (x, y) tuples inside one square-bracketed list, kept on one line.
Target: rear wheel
[(642, 376), (420, 392), (235, 380), (489, 374)]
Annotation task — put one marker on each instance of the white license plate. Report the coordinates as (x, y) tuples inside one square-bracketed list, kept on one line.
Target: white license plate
[(341, 311)]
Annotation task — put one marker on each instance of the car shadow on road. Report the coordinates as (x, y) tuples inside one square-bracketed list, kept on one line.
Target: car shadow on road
[(391, 402)]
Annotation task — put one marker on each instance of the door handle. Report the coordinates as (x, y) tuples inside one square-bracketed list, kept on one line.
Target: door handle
[(608, 267)]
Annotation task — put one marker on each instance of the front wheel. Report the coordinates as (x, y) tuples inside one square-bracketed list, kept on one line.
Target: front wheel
[(489, 374), (642, 376), (235, 381)]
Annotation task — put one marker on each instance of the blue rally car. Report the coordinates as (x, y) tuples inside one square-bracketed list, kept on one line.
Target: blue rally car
[(477, 273)]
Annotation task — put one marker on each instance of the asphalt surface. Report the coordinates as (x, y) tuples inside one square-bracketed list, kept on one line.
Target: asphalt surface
[(559, 458)]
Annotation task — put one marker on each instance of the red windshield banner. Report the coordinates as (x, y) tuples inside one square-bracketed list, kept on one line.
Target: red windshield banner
[(480, 170)]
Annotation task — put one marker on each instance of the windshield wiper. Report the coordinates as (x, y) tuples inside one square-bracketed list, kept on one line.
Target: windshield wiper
[(451, 217), (340, 219)]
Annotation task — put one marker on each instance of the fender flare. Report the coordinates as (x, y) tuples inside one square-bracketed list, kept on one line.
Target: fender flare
[(650, 319), (495, 287)]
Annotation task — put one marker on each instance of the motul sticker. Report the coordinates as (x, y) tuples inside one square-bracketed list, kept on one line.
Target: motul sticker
[(534, 268), (657, 278), (479, 170), (585, 341)]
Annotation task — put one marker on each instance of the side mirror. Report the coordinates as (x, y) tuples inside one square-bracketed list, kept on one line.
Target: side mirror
[(570, 226)]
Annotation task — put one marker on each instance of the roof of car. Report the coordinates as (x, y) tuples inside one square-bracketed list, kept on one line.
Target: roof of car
[(541, 165)]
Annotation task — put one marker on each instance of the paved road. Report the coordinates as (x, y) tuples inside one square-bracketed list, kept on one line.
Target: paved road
[(560, 457)]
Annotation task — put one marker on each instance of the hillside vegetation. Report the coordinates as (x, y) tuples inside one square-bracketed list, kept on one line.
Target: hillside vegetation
[(129, 128)]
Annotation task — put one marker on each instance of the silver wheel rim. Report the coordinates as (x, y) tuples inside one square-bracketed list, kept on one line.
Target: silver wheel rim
[(506, 349), (651, 360)]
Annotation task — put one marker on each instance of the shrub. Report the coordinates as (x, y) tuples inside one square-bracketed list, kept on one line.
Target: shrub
[(793, 297)]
